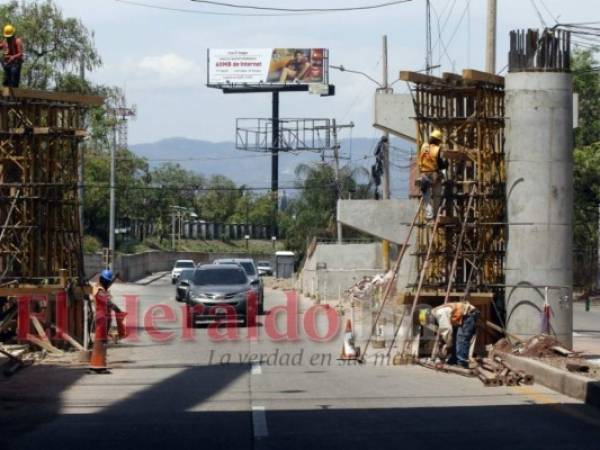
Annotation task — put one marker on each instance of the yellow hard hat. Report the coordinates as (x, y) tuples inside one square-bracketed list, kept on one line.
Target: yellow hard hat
[(436, 134), (9, 31)]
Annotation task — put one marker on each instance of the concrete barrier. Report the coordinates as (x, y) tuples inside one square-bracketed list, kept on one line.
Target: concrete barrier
[(567, 383)]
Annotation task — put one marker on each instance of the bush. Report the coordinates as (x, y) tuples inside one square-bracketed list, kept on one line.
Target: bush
[(91, 244)]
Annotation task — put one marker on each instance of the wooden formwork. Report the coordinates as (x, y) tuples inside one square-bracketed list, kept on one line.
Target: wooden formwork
[(469, 109), (40, 236)]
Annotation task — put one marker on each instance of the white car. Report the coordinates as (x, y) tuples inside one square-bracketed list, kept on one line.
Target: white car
[(180, 266)]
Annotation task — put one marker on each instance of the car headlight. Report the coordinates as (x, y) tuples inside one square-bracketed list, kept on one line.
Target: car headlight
[(198, 296)]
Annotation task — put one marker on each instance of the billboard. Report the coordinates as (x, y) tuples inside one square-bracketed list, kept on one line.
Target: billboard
[(270, 66)]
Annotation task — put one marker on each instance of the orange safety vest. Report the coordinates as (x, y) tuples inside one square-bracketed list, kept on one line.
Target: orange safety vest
[(428, 157)]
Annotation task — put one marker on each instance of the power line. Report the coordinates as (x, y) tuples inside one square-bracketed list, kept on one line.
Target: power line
[(462, 17), (207, 13), (555, 18), (198, 188), (224, 158), (296, 10), (539, 14)]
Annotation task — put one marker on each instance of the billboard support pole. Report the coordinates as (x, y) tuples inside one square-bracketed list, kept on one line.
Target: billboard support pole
[(275, 162)]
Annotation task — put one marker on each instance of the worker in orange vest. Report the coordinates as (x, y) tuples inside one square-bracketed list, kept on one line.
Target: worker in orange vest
[(456, 323), (104, 302), (13, 57), (433, 169)]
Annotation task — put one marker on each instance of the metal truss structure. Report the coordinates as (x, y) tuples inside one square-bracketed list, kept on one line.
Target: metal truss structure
[(464, 250), (40, 233), (255, 135)]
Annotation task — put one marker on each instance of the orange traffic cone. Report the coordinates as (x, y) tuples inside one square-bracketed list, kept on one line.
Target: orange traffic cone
[(98, 361), (349, 350)]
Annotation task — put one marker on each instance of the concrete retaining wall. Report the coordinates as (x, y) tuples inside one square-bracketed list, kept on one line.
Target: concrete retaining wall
[(332, 268), (137, 266)]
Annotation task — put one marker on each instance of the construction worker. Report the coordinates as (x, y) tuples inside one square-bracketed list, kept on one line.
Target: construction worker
[(104, 302), (433, 170), (13, 57), (456, 323)]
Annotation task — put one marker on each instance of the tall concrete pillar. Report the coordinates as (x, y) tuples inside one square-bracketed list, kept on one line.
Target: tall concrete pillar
[(539, 156)]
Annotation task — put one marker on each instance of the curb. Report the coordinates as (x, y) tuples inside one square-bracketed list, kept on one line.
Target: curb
[(146, 282), (573, 385)]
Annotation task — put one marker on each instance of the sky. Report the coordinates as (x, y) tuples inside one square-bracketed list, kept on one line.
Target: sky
[(159, 57)]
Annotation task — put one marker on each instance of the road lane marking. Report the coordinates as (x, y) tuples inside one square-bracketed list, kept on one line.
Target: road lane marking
[(256, 369), (259, 422)]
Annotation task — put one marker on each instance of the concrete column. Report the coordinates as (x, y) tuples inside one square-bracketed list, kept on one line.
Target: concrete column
[(203, 231), (539, 145)]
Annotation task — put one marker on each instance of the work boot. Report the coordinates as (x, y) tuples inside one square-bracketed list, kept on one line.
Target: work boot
[(428, 211)]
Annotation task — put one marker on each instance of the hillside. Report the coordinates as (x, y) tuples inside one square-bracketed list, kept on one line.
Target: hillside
[(254, 169)]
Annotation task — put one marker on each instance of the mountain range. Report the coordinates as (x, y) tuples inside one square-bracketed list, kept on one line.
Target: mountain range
[(254, 169)]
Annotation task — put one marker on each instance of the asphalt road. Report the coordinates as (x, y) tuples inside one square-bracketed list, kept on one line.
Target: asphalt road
[(212, 393)]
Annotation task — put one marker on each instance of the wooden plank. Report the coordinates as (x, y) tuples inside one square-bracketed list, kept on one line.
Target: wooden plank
[(452, 77), (44, 345), (420, 78), (9, 355), (18, 291), (29, 290), (41, 130), (484, 77), (39, 328), (8, 319), (64, 97), (70, 340)]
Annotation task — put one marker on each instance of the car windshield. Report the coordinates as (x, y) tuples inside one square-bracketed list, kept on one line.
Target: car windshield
[(263, 264), (248, 267), (187, 274), (224, 276), (184, 264)]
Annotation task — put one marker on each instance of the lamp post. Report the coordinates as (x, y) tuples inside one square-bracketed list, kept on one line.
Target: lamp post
[(247, 238)]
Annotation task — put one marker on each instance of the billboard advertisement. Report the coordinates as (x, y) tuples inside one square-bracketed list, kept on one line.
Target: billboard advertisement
[(261, 66)]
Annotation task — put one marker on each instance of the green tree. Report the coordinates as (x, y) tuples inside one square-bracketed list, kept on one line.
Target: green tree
[(218, 202), (586, 82), (586, 173), (56, 47), (313, 212)]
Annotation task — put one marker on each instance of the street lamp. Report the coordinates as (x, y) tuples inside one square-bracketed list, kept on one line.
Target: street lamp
[(247, 238), (273, 240)]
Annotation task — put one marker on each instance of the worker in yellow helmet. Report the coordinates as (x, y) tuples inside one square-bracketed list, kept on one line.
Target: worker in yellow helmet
[(13, 56), (433, 169)]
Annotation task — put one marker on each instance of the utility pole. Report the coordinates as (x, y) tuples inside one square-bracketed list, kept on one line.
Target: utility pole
[(490, 54), (428, 45), (173, 229), (386, 152), (275, 162), (120, 116), (81, 155), (336, 169), (598, 263), (112, 210)]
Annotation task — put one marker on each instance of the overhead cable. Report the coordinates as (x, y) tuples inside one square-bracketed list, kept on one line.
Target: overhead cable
[(296, 10)]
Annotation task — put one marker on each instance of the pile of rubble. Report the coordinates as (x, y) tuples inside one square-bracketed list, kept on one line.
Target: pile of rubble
[(366, 288), (495, 371)]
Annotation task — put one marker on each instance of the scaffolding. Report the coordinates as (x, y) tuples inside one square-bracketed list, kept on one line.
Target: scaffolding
[(40, 235), (469, 109)]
